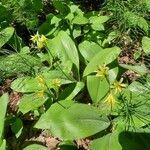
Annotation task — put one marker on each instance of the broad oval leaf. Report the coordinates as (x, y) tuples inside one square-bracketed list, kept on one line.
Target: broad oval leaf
[(26, 84), (75, 122), (80, 19), (89, 49), (5, 35), (97, 88), (105, 56), (69, 48), (31, 84), (32, 102), (97, 22)]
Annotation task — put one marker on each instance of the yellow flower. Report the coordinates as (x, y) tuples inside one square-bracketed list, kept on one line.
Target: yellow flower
[(40, 80), (39, 40), (43, 39), (102, 71), (118, 86), (40, 45), (110, 100), (56, 82), (40, 93), (35, 38)]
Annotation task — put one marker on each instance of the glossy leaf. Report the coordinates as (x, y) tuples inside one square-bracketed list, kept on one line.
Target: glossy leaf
[(73, 122), (80, 20), (97, 22), (32, 102), (105, 56), (69, 48), (5, 35), (26, 84), (89, 49), (112, 74), (97, 88), (30, 84)]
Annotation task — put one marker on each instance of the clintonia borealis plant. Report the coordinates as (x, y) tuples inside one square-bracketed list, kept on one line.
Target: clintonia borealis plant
[(72, 84)]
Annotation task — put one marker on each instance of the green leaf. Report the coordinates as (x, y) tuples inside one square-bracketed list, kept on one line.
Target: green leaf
[(112, 35), (136, 68), (147, 2), (89, 49), (134, 20), (107, 142), (17, 127), (30, 84), (3, 103), (80, 20), (97, 22), (97, 88), (35, 147), (105, 56), (69, 48), (26, 84), (71, 91), (25, 50), (5, 35), (32, 102), (134, 141), (3, 12), (112, 74), (17, 64), (76, 32), (67, 145), (146, 44), (61, 7), (78, 121), (3, 145)]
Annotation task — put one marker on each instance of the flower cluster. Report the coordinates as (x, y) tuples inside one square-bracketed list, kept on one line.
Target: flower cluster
[(110, 100), (41, 80), (56, 83), (39, 40), (102, 71), (115, 88)]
